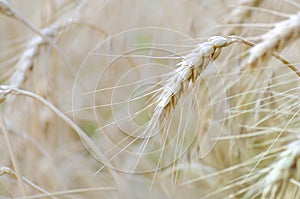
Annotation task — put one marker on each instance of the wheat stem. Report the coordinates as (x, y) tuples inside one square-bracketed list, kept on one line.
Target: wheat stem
[(88, 143), (60, 193), (8, 171), (12, 155)]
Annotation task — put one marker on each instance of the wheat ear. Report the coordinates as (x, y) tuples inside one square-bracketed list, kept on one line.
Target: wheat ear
[(188, 71), (276, 39), (281, 171), (278, 174), (7, 10), (25, 63)]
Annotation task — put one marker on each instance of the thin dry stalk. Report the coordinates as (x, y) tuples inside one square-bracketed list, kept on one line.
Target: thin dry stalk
[(10, 172), (61, 193), (89, 144), (12, 155)]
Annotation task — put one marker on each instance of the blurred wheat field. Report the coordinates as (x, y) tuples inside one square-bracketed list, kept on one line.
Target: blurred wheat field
[(149, 99)]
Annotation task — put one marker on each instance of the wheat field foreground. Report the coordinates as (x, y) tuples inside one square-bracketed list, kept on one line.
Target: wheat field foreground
[(150, 99)]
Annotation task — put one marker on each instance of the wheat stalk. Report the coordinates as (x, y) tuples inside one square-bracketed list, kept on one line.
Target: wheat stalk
[(10, 172), (12, 155), (89, 144), (69, 192)]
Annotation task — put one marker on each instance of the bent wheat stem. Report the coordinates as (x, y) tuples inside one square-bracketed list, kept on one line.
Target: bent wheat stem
[(88, 143), (8, 171)]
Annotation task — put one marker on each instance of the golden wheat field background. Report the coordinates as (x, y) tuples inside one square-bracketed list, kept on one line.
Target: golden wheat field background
[(149, 99)]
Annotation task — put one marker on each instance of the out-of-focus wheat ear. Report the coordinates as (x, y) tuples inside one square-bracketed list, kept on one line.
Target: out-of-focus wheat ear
[(187, 73), (274, 183), (7, 10), (273, 54), (25, 63), (276, 39), (239, 14), (281, 170)]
